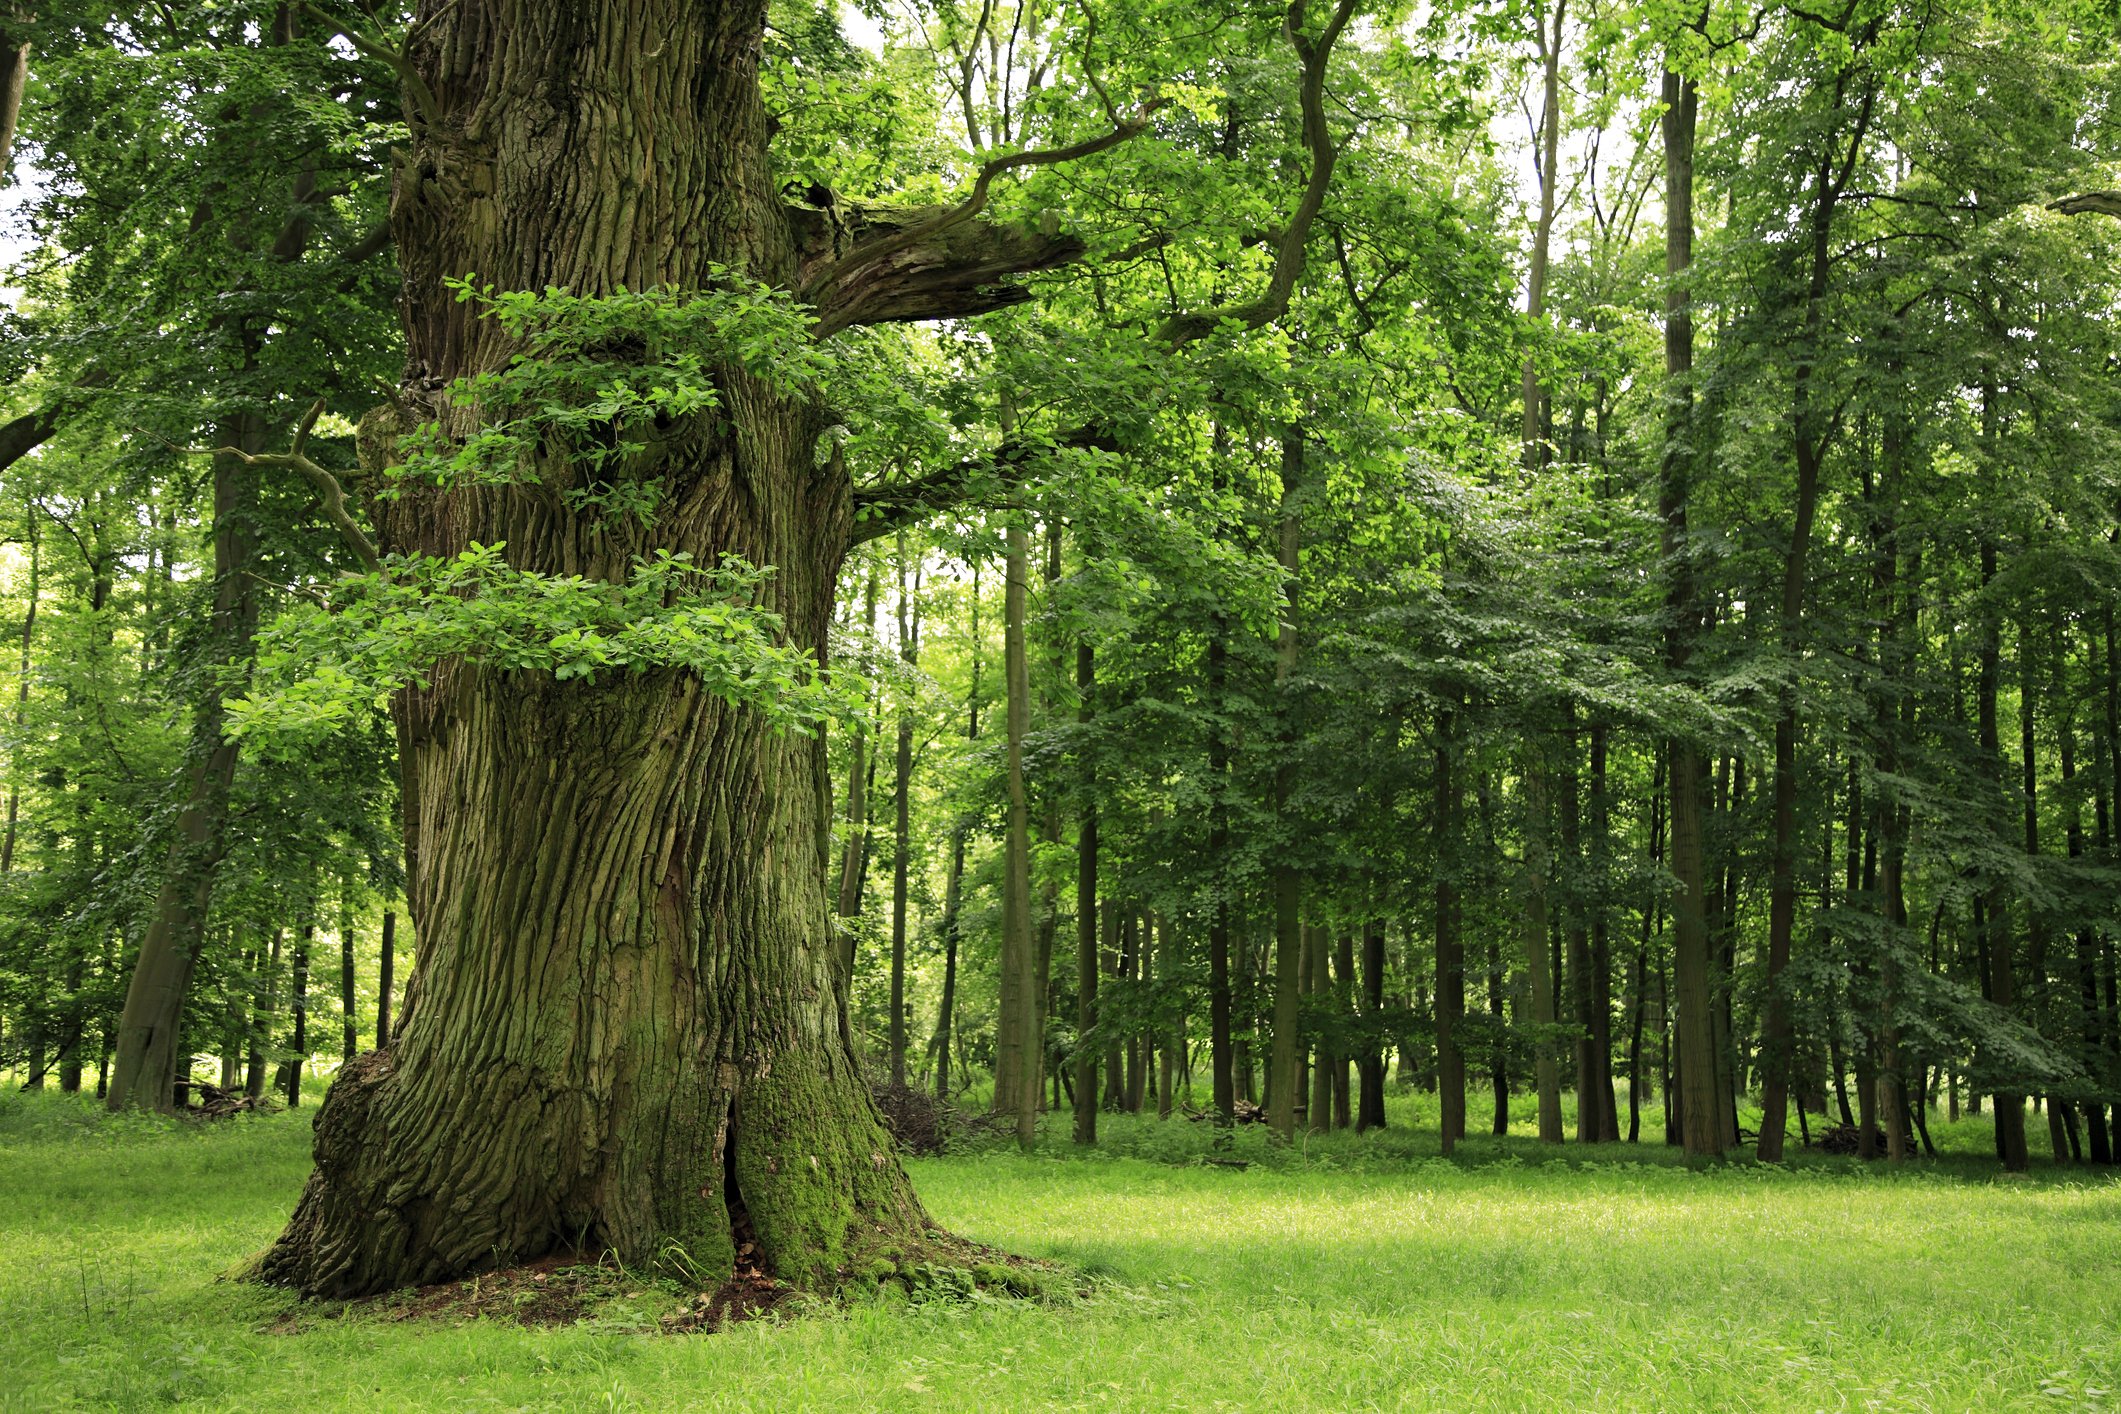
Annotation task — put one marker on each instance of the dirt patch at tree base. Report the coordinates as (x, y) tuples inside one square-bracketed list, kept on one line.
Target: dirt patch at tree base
[(571, 1289), (564, 1289)]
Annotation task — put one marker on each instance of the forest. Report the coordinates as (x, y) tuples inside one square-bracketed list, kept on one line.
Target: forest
[(1066, 702)]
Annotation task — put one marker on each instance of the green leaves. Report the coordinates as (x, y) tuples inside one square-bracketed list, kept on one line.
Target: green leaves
[(321, 665), (598, 375)]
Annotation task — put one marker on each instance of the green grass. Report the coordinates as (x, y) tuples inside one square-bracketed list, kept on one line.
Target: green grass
[(1362, 1273)]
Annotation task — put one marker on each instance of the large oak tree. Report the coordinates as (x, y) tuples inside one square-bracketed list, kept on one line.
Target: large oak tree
[(624, 1024)]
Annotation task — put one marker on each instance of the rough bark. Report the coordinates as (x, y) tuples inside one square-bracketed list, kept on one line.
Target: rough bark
[(622, 1025)]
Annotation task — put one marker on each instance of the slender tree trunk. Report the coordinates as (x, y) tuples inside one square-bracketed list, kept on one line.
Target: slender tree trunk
[(1547, 1065), (14, 77), (1014, 1072), (1221, 1044), (1536, 873), (1344, 1000), (386, 969), (1499, 1066), (266, 1003), (1578, 988), (1642, 963), (1450, 947), (1811, 426), (147, 1062), (2010, 1107), (29, 631), (299, 999), (148, 1028), (1049, 913), (1699, 1125), (1115, 1073), (1601, 951), (953, 904), (854, 853), (1370, 1110), (953, 907), (2090, 1032), (1086, 967), (352, 1040), (909, 650), (1288, 884), (1324, 1061)]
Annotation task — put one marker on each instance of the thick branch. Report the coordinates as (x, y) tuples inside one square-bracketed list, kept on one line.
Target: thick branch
[(14, 76), (1182, 329), (893, 506), (2101, 203), (821, 287), (26, 433), (934, 269)]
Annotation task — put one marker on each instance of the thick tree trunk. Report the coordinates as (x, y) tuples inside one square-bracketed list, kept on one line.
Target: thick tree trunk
[(622, 1029)]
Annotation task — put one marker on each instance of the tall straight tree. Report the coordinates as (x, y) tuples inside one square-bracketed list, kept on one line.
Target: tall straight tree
[(1015, 1066), (1700, 1129), (1812, 420), (909, 652), (1086, 964), (1283, 1077)]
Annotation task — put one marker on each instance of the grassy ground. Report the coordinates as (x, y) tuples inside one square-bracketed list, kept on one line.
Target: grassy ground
[(1360, 1273)]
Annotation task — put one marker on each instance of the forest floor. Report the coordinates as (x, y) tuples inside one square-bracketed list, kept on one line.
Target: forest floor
[(1358, 1273)]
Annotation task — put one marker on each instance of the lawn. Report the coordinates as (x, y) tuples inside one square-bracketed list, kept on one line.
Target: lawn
[(1360, 1273)]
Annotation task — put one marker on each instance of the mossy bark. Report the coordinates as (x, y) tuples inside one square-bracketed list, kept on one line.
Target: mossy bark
[(622, 1025)]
